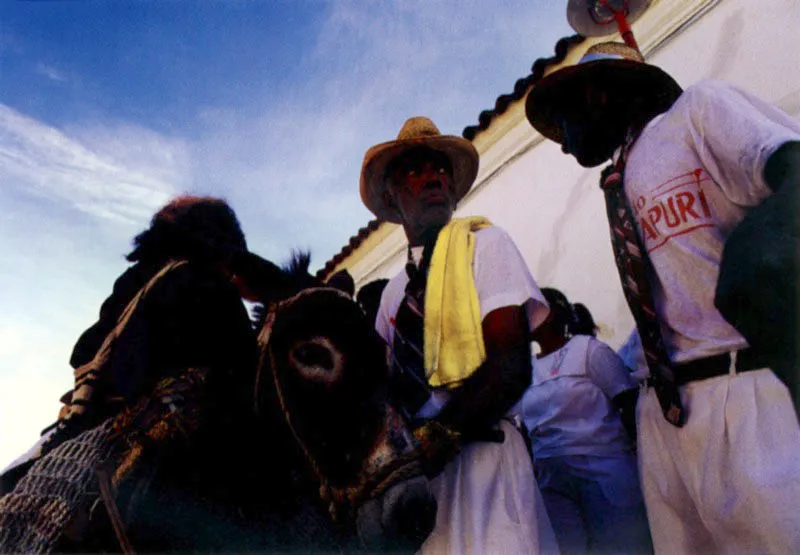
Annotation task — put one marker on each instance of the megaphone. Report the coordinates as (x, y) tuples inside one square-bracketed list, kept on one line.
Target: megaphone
[(596, 18)]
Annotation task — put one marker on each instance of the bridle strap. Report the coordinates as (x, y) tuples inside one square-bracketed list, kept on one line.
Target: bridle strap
[(340, 500)]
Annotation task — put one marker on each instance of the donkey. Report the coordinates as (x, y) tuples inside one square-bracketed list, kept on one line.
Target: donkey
[(305, 453)]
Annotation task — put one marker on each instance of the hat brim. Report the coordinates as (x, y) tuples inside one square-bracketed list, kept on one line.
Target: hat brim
[(554, 95), (460, 151)]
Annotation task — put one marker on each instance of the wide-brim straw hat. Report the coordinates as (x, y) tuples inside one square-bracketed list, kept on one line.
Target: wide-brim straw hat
[(613, 66), (416, 132)]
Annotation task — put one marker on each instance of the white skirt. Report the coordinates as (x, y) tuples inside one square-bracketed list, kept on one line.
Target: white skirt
[(488, 502)]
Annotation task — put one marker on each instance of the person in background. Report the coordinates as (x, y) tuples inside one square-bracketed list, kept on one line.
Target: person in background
[(369, 297), (632, 355), (457, 321), (578, 412), (343, 281), (718, 437), (584, 321)]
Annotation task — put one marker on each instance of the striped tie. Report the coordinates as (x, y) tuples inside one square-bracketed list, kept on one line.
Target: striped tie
[(410, 388), (633, 266)]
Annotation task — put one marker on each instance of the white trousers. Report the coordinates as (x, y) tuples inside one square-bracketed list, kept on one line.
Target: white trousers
[(488, 502), (729, 480)]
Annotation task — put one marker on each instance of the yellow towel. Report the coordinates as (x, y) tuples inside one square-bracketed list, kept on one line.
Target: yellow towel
[(453, 335)]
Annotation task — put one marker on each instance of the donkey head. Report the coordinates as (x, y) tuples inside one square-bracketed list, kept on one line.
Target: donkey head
[(326, 366)]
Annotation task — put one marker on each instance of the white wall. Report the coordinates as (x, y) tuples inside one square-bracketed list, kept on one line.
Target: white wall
[(554, 209)]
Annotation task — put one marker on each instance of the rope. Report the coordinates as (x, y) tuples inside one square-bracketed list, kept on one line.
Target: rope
[(341, 501), (108, 495)]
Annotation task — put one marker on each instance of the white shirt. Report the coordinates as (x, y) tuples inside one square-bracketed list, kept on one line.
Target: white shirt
[(568, 408), (690, 178), (501, 279)]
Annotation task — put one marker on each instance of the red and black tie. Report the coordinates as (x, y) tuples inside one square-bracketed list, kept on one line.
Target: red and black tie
[(633, 266)]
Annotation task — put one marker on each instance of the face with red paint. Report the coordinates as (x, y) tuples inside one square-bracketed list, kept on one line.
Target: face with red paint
[(594, 126), (419, 183)]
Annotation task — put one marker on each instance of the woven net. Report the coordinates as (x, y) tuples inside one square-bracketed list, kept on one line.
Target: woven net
[(34, 516)]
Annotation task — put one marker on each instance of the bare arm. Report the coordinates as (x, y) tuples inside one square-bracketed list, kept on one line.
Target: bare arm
[(758, 298), (500, 381)]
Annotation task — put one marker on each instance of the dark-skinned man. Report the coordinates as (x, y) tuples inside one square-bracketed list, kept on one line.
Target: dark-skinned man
[(718, 437), (457, 321)]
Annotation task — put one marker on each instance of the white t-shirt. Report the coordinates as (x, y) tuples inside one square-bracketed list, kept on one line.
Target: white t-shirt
[(690, 178), (501, 279), (568, 408)]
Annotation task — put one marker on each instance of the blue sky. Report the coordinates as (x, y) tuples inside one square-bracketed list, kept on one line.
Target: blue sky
[(107, 109)]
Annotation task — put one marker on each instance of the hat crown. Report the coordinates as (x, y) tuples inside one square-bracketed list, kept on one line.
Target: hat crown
[(416, 132), (418, 127), (612, 50), (610, 66)]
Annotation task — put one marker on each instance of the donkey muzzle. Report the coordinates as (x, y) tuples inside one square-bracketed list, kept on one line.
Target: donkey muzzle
[(399, 520)]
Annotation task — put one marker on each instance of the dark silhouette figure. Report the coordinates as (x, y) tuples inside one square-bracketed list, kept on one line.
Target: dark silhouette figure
[(196, 437), (369, 297)]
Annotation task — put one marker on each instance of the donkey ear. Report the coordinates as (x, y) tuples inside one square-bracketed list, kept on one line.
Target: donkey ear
[(258, 279), (343, 281)]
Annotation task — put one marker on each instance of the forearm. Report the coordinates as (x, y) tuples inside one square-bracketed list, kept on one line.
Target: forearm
[(490, 392)]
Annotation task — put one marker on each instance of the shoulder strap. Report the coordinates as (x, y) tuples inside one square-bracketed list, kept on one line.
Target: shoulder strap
[(88, 375)]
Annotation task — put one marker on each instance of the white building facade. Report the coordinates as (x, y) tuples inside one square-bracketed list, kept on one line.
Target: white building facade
[(552, 207)]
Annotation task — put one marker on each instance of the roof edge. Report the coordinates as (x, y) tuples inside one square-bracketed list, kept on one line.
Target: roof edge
[(522, 85), (485, 119)]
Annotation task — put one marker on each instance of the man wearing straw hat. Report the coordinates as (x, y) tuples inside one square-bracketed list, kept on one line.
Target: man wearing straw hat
[(457, 321), (719, 441)]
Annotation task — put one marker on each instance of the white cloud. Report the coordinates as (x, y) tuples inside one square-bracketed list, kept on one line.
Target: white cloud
[(373, 64), (121, 173), (51, 73)]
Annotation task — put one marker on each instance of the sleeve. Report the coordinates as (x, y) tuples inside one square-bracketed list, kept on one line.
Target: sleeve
[(632, 357), (606, 369), (734, 134), (125, 288), (382, 319), (502, 277), (391, 297)]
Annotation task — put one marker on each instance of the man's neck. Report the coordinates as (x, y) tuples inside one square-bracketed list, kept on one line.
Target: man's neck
[(640, 118), (420, 238)]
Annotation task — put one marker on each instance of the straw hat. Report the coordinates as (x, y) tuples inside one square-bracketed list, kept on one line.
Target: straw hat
[(612, 65), (416, 132)]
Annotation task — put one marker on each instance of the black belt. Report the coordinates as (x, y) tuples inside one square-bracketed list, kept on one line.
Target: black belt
[(718, 365)]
